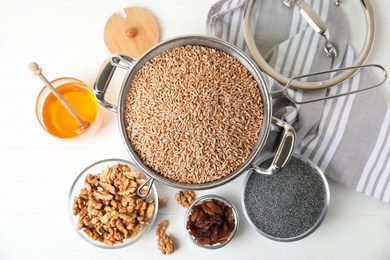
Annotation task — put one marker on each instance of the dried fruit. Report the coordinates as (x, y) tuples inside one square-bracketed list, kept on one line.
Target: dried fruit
[(211, 222)]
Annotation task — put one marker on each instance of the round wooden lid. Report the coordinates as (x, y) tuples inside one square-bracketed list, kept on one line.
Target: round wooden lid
[(132, 35)]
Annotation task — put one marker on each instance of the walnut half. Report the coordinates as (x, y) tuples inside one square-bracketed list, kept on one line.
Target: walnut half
[(109, 207), (185, 198), (164, 242)]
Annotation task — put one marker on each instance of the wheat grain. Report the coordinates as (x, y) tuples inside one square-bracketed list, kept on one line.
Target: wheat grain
[(193, 113)]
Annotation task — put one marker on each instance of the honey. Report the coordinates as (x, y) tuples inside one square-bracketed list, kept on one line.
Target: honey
[(55, 118)]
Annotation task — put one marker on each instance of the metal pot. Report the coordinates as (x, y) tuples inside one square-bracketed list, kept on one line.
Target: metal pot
[(287, 143)]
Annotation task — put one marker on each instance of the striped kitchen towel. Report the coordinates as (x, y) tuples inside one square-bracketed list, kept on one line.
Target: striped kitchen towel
[(347, 137)]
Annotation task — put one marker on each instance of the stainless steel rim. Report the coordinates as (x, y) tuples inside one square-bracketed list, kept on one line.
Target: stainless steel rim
[(207, 198), (320, 219), (212, 43)]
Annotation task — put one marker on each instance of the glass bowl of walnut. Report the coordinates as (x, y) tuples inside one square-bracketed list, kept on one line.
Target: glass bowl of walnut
[(211, 221), (109, 207)]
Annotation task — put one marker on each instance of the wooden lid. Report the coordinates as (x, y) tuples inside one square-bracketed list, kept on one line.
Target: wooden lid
[(132, 35)]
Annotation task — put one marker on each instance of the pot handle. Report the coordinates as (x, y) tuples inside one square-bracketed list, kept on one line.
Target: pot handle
[(284, 152), (104, 77)]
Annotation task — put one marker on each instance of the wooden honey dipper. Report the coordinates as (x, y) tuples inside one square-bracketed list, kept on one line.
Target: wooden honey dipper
[(83, 124)]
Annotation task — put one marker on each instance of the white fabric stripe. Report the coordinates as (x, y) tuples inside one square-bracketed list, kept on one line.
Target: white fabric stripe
[(226, 19), (302, 22), (343, 125), (310, 41), (378, 157), (331, 128), (316, 6), (386, 196), (223, 10), (241, 43), (301, 55), (328, 105), (305, 43), (315, 40), (288, 63), (305, 141), (377, 172), (306, 70), (280, 58), (311, 55), (291, 116), (385, 174), (331, 107), (311, 142), (283, 64), (295, 23), (375, 153), (233, 29), (283, 47), (214, 18), (337, 115)]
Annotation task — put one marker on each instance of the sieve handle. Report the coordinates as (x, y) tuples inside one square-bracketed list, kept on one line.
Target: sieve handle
[(105, 75), (375, 69), (284, 152), (140, 190)]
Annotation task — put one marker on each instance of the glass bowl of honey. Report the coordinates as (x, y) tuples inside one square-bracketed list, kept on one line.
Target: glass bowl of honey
[(57, 120)]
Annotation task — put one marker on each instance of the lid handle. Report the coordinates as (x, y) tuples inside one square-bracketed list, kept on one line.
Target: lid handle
[(315, 21)]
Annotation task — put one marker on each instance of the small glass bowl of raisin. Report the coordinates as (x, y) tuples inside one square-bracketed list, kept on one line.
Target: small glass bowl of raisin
[(211, 221)]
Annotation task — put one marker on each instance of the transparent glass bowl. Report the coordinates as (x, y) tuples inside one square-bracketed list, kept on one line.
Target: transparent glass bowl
[(208, 198), (95, 168), (54, 118)]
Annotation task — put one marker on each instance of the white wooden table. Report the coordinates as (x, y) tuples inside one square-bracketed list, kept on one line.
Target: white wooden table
[(66, 39)]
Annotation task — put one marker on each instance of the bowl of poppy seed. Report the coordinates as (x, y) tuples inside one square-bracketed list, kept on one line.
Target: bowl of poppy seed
[(289, 205), (211, 221)]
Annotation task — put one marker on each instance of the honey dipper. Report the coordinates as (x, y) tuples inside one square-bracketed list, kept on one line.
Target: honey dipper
[(83, 124)]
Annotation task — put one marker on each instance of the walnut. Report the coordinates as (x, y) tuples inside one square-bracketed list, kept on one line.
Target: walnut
[(109, 207), (77, 205), (105, 174), (185, 198), (162, 202), (164, 242), (107, 187), (102, 195), (149, 209)]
